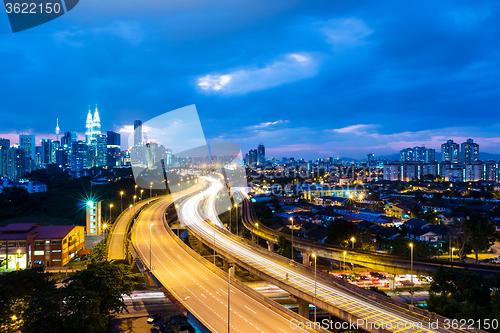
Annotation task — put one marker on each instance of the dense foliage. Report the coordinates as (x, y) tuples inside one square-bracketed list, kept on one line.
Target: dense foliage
[(32, 303), (461, 294)]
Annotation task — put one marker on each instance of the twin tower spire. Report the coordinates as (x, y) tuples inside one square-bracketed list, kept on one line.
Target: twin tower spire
[(92, 127)]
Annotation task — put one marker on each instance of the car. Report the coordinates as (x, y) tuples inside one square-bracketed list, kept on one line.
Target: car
[(154, 318)]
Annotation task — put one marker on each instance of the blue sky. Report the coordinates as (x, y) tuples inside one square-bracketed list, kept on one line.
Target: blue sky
[(307, 78)]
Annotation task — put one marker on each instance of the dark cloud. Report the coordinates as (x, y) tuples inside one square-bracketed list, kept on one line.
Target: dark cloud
[(424, 68)]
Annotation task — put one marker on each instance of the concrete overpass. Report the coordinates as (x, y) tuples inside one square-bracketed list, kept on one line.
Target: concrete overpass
[(372, 260), (347, 302)]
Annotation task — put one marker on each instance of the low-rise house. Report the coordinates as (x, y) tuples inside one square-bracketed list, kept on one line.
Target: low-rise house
[(286, 200), (417, 224), (328, 215), (32, 186), (451, 218), (384, 233), (438, 208), (318, 234), (400, 210), (423, 235)]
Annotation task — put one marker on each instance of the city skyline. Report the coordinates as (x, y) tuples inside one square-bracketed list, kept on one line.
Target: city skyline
[(340, 79)]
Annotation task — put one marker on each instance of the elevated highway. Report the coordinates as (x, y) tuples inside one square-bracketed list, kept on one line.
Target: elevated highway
[(372, 260), (373, 312), (201, 287)]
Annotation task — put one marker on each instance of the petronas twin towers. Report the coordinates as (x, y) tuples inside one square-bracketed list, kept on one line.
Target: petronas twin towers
[(92, 127)]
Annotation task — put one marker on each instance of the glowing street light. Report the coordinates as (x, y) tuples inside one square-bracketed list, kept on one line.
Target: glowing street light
[(135, 190), (411, 250), (141, 193), (452, 249), (150, 189), (235, 216), (135, 197), (110, 207), (353, 240), (229, 208), (121, 200)]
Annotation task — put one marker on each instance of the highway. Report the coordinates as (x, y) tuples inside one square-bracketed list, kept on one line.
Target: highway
[(394, 319), (118, 233), (201, 291)]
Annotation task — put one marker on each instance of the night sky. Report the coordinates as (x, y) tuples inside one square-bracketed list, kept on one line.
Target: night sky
[(307, 78)]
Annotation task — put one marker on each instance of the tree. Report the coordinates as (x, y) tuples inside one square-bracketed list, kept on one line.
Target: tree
[(340, 232), (461, 294), (481, 232), (99, 252), (285, 247), (17, 289), (416, 212), (108, 280)]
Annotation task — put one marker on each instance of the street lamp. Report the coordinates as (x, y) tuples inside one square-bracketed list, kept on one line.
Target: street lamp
[(150, 263), (135, 190), (110, 207), (452, 249), (411, 250), (150, 189), (121, 200), (236, 218), (104, 226), (141, 193), (293, 229), (353, 240), (315, 285), (229, 208), (135, 197)]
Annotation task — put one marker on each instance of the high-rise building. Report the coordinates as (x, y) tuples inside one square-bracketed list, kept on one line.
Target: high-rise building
[(470, 152), (113, 149), (16, 163), (58, 130), (137, 132), (92, 127), (4, 143), (28, 143), (3, 161), (48, 152), (261, 154), (430, 155), (252, 157), (101, 151), (68, 139), (370, 161), (450, 152)]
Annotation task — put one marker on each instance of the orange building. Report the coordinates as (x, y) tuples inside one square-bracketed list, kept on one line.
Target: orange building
[(25, 245)]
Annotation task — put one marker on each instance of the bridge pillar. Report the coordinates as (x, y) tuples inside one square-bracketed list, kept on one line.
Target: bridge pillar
[(270, 246), (305, 258), (392, 283), (303, 308), (254, 238)]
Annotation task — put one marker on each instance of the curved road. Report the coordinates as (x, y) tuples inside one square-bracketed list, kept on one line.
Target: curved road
[(399, 320), (201, 291)]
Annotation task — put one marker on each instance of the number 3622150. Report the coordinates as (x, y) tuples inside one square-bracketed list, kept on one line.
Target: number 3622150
[(32, 8)]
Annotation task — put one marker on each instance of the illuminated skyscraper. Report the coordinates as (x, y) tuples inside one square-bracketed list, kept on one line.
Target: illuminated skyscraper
[(450, 152), (261, 154), (92, 127), (470, 152), (137, 132)]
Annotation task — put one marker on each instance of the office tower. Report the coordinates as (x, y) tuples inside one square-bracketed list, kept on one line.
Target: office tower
[(284, 160), (4, 143), (81, 149), (3, 161), (68, 139), (92, 127), (137, 132), (261, 154), (450, 152), (101, 150), (470, 152), (28, 143), (370, 160), (168, 157), (16, 163), (48, 152), (252, 157), (113, 149)]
